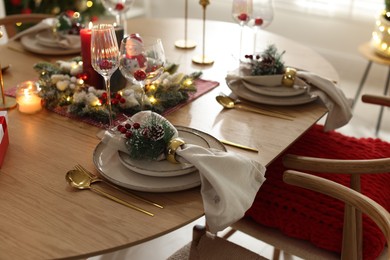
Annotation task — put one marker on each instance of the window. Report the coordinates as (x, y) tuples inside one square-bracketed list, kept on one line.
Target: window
[(351, 9)]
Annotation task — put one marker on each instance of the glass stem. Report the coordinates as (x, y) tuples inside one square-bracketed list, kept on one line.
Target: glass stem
[(123, 22), (241, 34), (108, 90)]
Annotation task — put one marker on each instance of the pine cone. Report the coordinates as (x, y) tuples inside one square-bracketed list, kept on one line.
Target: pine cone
[(156, 132)]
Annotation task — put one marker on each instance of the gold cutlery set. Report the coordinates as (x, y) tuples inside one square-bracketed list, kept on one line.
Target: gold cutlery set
[(80, 178)]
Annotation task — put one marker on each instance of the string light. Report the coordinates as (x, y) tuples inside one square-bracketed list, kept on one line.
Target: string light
[(381, 35)]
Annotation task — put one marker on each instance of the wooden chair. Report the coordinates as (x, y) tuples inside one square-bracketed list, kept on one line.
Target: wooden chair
[(314, 143), (377, 100), (10, 22), (205, 247)]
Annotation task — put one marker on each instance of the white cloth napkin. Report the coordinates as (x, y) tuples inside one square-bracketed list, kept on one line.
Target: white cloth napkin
[(339, 107), (45, 24), (229, 183)]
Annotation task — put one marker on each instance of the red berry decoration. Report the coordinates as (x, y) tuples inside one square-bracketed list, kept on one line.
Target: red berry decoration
[(122, 100), (140, 75), (105, 65), (258, 21), (123, 130), (104, 95), (129, 134), (118, 96), (114, 102), (243, 17), (119, 127), (128, 126), (136, 125), (119, 6)]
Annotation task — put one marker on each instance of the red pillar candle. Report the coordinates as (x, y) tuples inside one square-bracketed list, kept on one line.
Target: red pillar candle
[(93, 78)]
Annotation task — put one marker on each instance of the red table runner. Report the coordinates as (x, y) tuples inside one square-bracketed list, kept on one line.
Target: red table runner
[(202, 87)]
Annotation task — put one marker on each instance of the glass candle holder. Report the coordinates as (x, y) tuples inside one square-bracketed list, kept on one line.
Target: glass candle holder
[(28, 98)]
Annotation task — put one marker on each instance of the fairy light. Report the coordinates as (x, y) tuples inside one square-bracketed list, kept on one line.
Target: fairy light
[(152, 87), (152, 100), (89, 4), (187, 82)]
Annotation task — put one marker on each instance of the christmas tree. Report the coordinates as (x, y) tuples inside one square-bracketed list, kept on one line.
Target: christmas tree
[(87, 8)]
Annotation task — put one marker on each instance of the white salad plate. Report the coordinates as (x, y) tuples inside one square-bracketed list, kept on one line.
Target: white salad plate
[(279, 90), (30, 43), (240, 90), (164, 168)]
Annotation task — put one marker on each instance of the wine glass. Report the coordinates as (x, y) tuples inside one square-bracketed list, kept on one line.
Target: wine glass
[(242, 13), (141, 60), (119, 9), (262, 16), (105, 57)]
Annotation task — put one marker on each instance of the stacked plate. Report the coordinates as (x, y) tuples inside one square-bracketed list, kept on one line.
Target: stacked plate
[(45, 42), (153, 176), (268, 90)]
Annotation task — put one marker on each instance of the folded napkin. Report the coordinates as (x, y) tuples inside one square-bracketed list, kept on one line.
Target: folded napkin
[(229, 183), (45, 24), (64, 41), (339, 107)]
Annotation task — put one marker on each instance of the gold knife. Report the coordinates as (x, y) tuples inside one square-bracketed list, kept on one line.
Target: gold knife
[(239, 146)]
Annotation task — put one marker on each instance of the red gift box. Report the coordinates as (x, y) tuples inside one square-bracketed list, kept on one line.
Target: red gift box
[(4, 140)]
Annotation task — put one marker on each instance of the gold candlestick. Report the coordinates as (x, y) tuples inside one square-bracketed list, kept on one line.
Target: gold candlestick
[(185, 44), (7, 103), (202, 59)]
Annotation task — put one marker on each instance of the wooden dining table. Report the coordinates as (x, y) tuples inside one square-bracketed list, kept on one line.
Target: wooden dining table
[(42, 217)]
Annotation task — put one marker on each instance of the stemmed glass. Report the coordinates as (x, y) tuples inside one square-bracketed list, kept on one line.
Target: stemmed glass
[(242, 13), (119, 9), (105, 57), (142, 60), (262, 16)]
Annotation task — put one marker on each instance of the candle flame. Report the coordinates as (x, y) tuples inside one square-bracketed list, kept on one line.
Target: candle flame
[(90, 25)]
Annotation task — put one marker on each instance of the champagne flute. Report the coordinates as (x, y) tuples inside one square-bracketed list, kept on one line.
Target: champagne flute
[(262, 16), (119, 9), (105, 58), (141, 60), (242, 13)]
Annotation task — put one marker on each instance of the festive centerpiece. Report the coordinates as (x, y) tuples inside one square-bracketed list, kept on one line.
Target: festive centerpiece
[(144, 136), (266, 68), (62, 85)]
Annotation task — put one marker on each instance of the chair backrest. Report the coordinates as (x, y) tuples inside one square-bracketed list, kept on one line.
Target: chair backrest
[(352, 198), (10, 22), (377, 100)]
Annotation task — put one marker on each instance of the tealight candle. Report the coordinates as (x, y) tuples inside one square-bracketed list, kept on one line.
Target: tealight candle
[(27, 97)]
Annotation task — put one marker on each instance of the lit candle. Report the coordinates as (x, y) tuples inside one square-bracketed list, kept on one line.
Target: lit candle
[(93, 78), (27, 97)]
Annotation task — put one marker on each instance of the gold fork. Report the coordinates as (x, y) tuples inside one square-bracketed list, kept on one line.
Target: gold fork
[(95, 178)]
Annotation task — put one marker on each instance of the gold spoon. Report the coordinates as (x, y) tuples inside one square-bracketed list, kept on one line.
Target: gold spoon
[(80, 180), (95, 178), (228, 102)]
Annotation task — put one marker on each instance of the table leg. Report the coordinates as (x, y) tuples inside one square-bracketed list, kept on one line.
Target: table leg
[(361, 83)]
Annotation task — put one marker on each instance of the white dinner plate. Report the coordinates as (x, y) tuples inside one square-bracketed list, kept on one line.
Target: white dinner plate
[(164, 168), (107, 162), (279, 90), (30, 43), (46, 38), (240, 90)]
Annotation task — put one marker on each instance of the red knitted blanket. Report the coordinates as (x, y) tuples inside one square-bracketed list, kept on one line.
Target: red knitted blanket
[(315, 217)]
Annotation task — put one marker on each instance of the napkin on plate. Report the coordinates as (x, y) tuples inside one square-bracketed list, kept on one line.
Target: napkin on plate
[(229, 183), (45, 24), (339, 107)]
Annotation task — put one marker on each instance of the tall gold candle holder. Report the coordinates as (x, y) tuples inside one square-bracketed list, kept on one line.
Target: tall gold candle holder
[(6, 102), (202, 59), (186, 43)]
